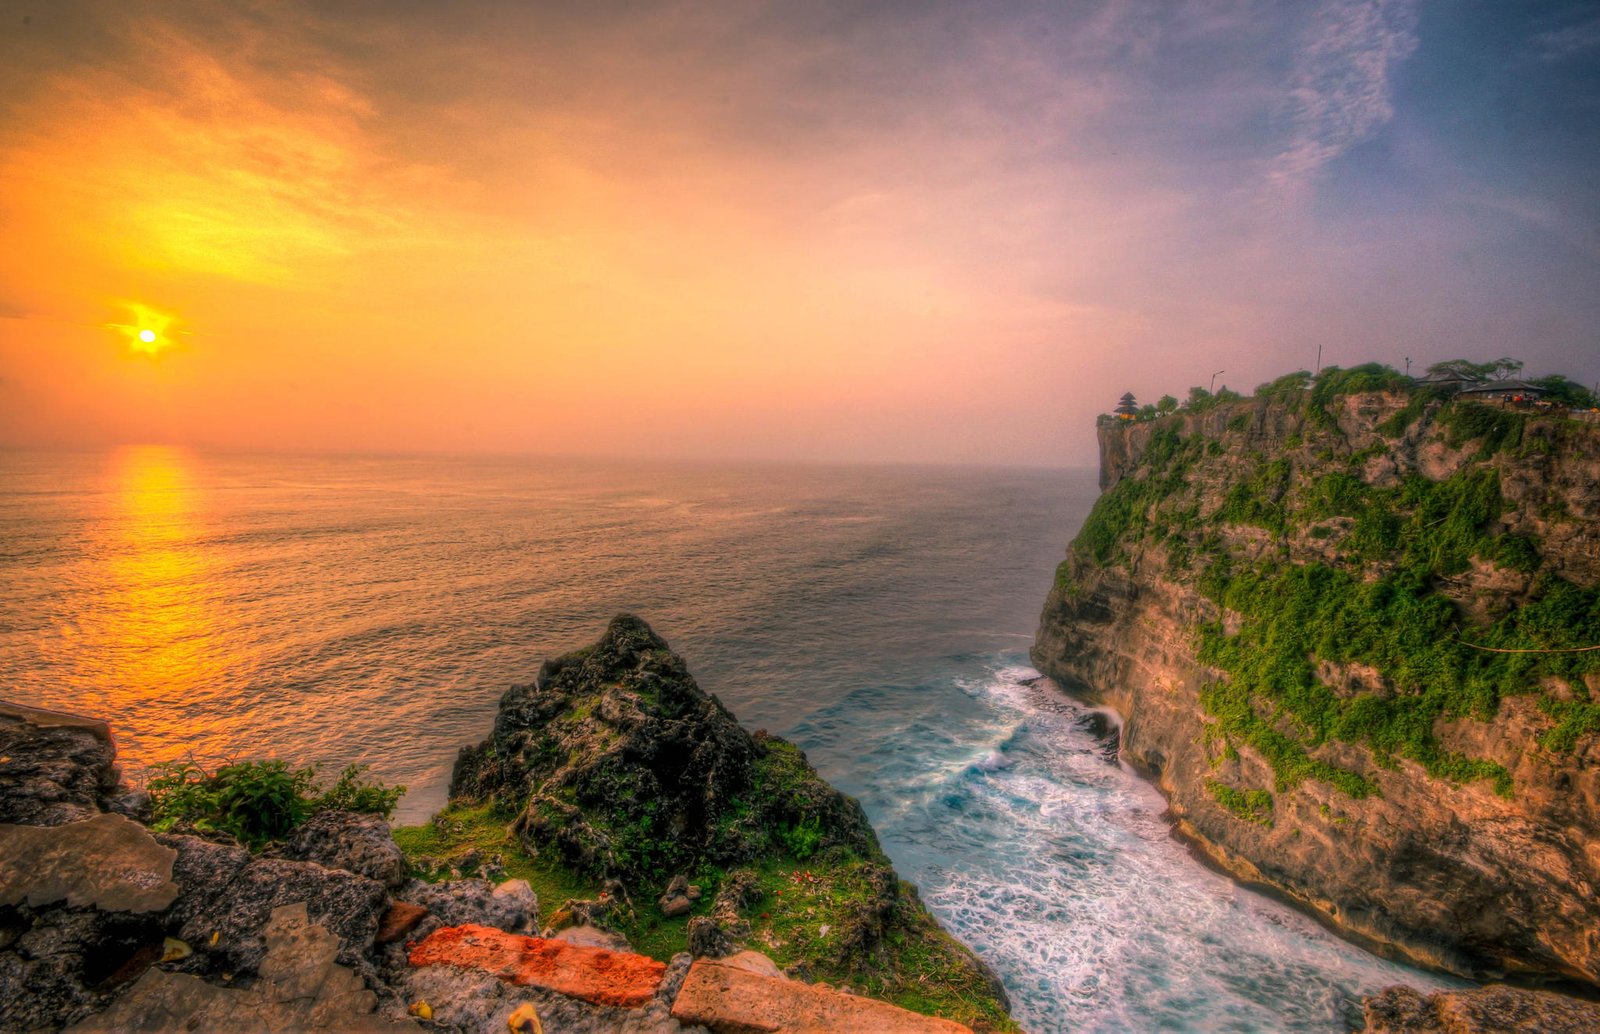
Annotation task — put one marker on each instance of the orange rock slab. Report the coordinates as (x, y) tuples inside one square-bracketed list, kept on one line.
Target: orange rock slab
[(730, 1000), (595, 975)]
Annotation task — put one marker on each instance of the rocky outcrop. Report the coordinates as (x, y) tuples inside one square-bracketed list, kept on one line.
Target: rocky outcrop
[(54, 768), (107, 926), (351, 841), (615, 764), (1449, 818), (1487, 1010), (616, 744)]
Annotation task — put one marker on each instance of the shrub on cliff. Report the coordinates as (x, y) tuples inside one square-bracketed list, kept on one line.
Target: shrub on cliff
[(257, 801)]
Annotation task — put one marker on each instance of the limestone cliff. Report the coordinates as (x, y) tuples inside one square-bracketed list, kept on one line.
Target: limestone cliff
[(1279, 593)]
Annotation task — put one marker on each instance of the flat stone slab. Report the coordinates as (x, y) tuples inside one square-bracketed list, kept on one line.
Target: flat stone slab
[(107, 861), (301, 988), (733, 1000), (42, 718), (597, 975)]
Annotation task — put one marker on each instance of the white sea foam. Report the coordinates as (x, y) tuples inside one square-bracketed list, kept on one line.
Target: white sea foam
[(1058, 867)]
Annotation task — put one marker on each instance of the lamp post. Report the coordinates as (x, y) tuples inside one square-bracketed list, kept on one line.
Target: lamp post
[(1214, 380), (1408, 366)]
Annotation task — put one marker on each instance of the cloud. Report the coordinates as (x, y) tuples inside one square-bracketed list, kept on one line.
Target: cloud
[(214, 166), (1339, 93), (1559, 44)]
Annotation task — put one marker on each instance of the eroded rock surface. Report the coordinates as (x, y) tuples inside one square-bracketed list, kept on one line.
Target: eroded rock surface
[(1496, 1009), (511, 906), (228, 896), (54, 768), (106, 862), (301, 987), (347, 840)]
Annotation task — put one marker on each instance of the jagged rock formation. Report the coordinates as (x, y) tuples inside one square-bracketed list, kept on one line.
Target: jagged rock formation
[(616, 761), (1277, 593), (616, 756)]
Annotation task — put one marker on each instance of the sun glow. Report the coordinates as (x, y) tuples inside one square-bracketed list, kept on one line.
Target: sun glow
[(148, 331)]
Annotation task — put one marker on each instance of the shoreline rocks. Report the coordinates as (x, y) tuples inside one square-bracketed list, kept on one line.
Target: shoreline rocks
[(106, 925)]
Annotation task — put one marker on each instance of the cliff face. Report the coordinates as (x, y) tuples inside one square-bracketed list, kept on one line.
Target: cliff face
[(1278, 595)]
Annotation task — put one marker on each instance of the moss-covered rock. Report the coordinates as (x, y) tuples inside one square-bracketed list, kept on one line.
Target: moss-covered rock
[(614, 758), (613, 771)]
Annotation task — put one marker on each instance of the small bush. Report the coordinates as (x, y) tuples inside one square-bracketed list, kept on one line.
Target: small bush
[(1249, 805), (256, 802)]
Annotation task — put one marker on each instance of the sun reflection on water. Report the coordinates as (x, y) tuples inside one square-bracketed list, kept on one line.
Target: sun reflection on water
[(156, 636)]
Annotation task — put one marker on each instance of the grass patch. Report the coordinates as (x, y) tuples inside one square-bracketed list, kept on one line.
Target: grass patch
[(1249, 805), (461, 830)]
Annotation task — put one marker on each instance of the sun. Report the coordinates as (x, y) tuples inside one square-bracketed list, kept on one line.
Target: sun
[(148, 331)]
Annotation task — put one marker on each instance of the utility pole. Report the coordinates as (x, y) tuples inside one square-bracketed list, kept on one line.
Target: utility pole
[(1408, 366), (1214, 380), (1318, 371)]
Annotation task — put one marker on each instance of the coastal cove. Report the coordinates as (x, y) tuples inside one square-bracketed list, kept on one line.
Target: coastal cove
[(878, 617)]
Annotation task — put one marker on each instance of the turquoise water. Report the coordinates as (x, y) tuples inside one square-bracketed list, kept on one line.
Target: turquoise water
[(373, 609)]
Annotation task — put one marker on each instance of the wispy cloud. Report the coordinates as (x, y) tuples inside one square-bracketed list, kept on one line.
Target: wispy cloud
[(1559, 44), (206, 169), (1339, 93)]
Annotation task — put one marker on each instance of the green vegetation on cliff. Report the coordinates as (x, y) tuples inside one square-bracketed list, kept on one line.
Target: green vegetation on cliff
[(1324, 556)]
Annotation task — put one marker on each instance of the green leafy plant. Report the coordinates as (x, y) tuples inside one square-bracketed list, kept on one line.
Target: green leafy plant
[(802, 839), (256, 802)]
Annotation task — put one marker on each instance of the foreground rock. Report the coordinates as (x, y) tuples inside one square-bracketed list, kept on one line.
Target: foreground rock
[(106, 862), (346, 840), (54, 768), (1487, 1010), (730, 999), (300, 988), (173, 932), (596, 975), (734, 997), (107, 926)]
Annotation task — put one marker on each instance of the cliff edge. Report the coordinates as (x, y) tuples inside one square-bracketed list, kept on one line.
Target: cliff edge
[(1343, 626)]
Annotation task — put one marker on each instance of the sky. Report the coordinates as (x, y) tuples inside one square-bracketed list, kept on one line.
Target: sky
[(920, 230)]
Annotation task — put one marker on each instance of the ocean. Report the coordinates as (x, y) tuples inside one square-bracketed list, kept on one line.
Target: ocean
[(328, 610)]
